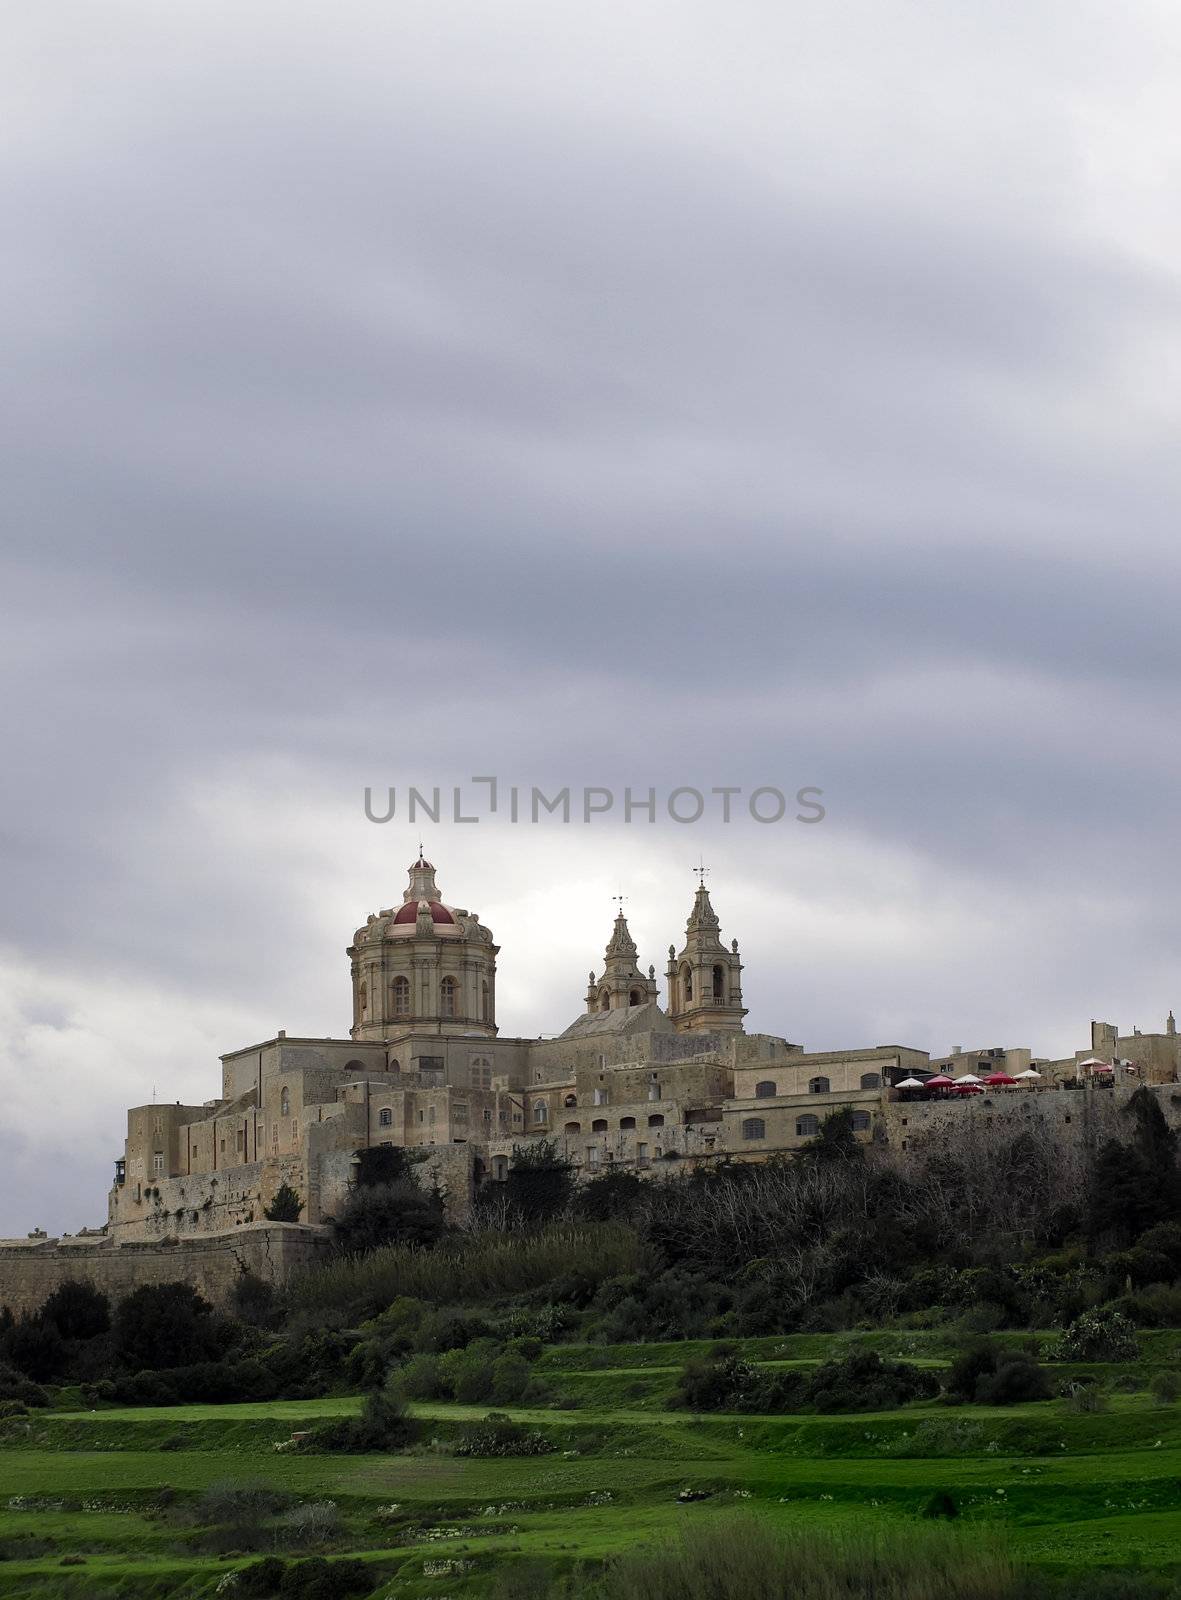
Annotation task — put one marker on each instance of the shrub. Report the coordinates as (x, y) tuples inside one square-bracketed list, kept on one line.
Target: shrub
[(864, 1382), (384, 1424), (36, 1348), (498, 1435), (237, 1516), (77, 1310), (1166, 1387), (992, 1374), (941, 1505), (1104, 1335), (377, 1215), (260, 1579), (14, 1386), (316, 1522), (539, 1181), (166, 1325), (318, 1579), (471, 1267), (254, 1300), (285, 1206)]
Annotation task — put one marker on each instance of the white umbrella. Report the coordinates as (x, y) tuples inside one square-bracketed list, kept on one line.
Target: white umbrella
[(1029, 1074), (1094, 1061), (968, 1077), (909, 1083)]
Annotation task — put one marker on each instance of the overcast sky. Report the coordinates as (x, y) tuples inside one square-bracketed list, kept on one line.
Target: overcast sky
[(655, 394)]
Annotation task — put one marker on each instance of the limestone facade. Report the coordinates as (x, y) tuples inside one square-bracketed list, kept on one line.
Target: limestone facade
[(631, 1082)]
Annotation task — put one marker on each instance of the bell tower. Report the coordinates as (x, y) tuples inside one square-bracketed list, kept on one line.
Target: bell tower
[(705, 979), (621, 984)]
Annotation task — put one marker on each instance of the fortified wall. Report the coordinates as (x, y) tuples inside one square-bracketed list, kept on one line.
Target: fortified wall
[(31, 1269)]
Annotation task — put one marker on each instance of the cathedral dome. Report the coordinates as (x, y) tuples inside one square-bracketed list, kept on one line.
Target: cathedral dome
[(439, 912)]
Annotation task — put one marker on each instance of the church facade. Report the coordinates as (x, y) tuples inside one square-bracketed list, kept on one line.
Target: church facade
[(630, 1083)]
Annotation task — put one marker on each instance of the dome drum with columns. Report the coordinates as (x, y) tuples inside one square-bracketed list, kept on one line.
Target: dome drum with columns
[(426, 965)]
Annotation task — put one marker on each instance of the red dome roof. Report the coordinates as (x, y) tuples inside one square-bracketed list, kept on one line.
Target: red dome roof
[(439, 912)]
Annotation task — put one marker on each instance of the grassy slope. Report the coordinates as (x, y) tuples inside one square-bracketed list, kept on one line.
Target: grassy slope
[(1065, 1488)]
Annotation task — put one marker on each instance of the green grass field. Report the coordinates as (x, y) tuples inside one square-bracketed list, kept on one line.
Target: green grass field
[(1062, 1489)]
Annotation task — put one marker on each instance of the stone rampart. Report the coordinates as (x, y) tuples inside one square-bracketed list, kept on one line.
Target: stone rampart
[(31, 1269)]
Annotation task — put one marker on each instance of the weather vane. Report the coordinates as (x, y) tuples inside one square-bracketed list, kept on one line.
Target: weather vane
[(619, 900), (701, 869)]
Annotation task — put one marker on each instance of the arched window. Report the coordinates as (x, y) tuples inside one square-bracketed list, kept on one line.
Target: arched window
[(687, 981), (626, 1122), (861, 1122), (363, 998), (635, 998), (719, 983), (447, 991), (572, 1127), (818, 1086), (354, 1066), (656, 1120), (285, 1102), (570, 1100), (764, 1090), (599, 1125), (400, 993), (807, 1127), (393, 1065), (754, 1128), (871, 1080), (540, 1111), (485, 1004), (604, 1001), (385, 1117)]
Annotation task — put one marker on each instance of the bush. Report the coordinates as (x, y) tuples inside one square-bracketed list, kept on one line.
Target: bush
[(864, 1382), (1104, 1335), (285, 1206), (498, 1435), (318, 1579), (77, 1310), (166, 1325), (941, 1505), (723, 1381), (378, 1215), (36, 1349), (316, 1522), (14, 1386), (384, 1424), (1166, 1387), (260, 1579), (994, 1375), (254, 1300)]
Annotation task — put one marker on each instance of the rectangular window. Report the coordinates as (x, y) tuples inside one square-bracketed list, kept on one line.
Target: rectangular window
[(223, 1147), (157, 1126), (295, 1130), (459, 1112), (158, 1163), (238, 1137)]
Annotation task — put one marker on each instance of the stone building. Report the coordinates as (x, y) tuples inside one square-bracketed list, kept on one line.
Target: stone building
[(630, 1082)]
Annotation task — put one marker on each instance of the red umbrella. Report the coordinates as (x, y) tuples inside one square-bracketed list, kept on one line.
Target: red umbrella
[(939, 1081), (967, 1088), (999, 1080)]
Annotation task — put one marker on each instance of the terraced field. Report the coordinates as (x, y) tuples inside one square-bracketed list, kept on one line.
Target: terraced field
[(1061, 1488)]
